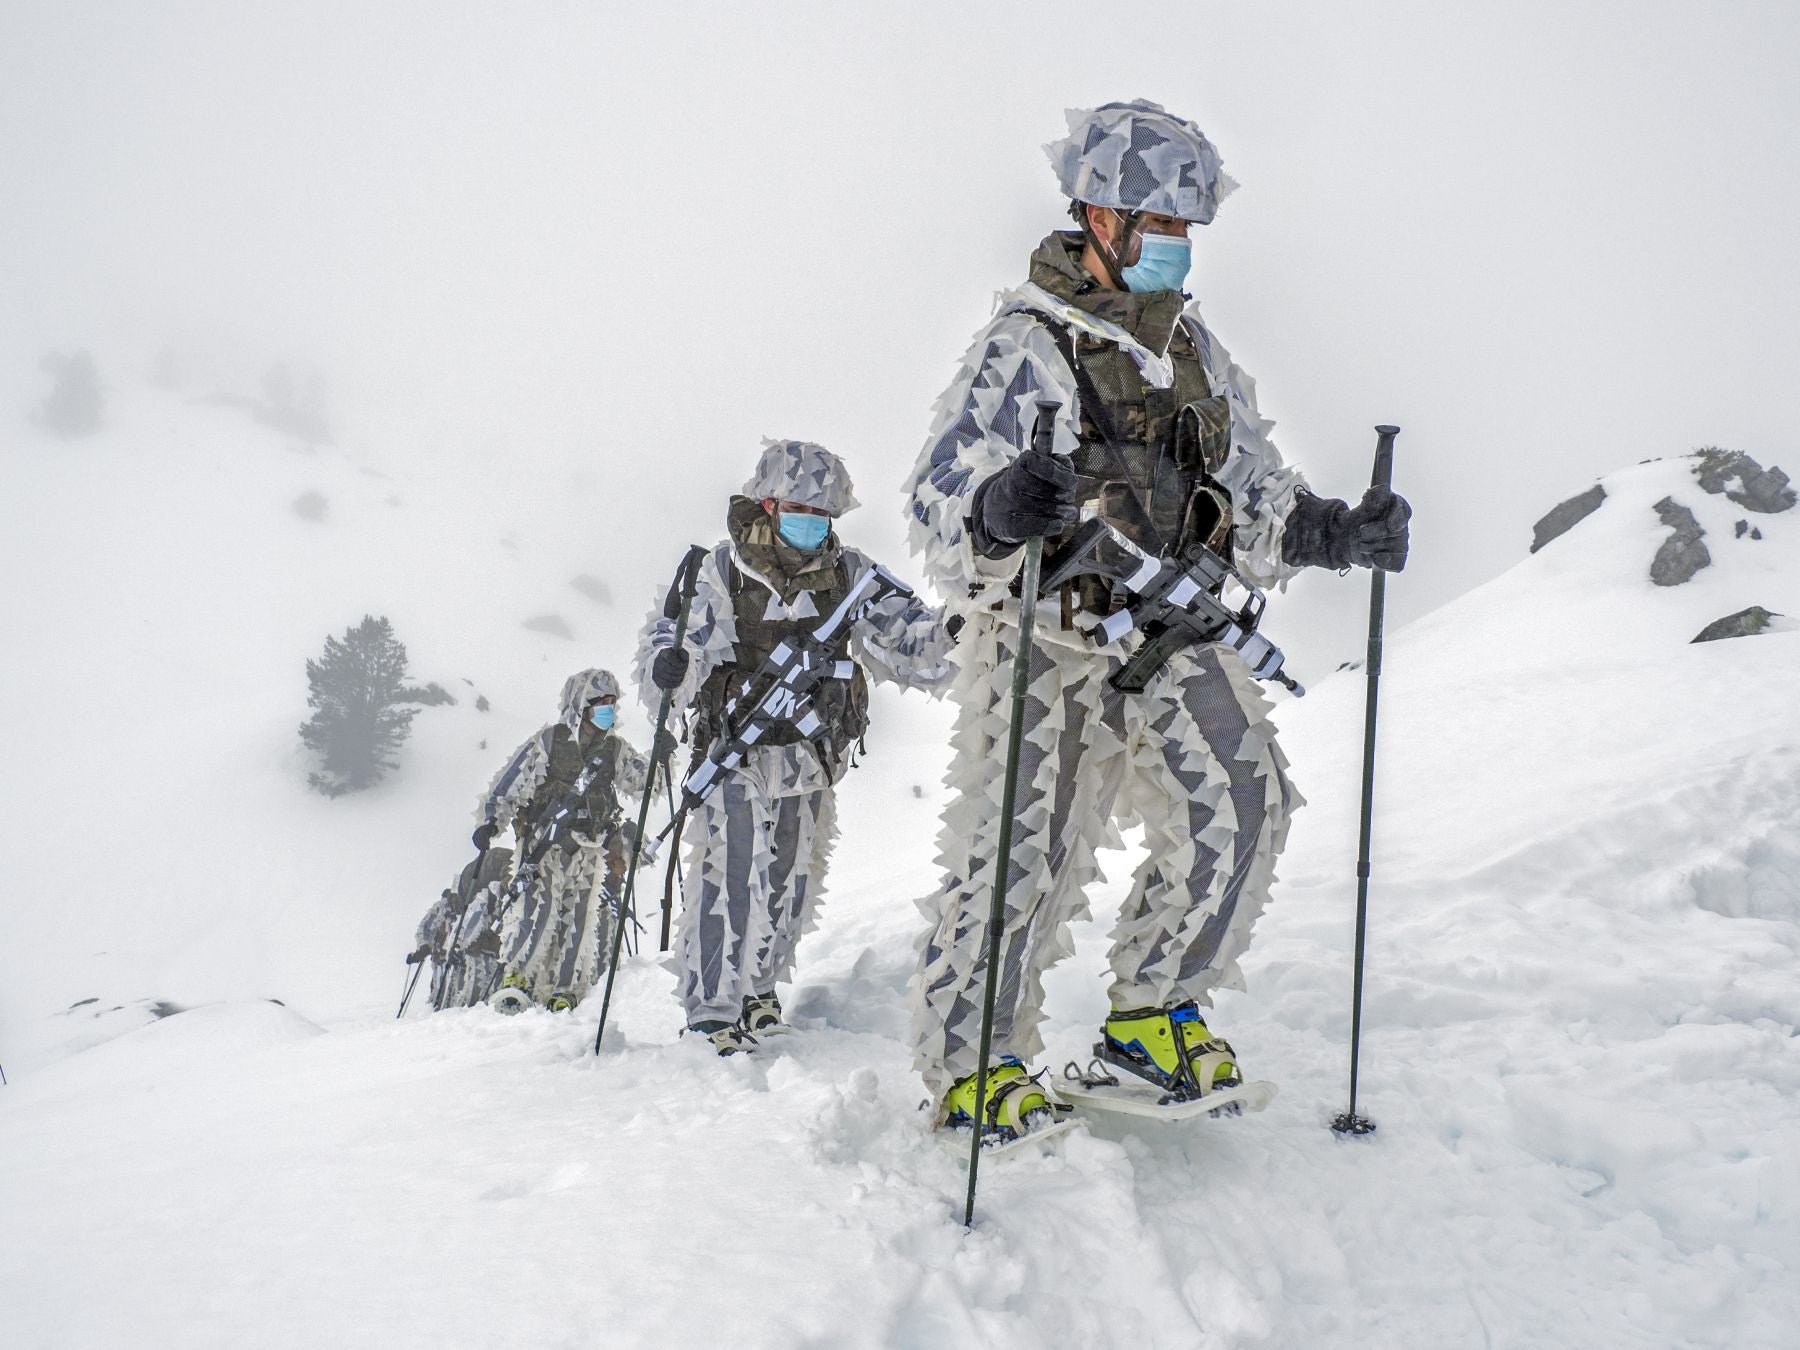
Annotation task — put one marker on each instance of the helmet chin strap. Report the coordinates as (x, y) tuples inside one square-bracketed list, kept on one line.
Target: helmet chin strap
[(1109, 258)]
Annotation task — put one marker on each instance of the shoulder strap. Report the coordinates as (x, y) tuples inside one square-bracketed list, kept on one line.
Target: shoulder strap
[(1084, 383), (727, 565), (1095, 407)]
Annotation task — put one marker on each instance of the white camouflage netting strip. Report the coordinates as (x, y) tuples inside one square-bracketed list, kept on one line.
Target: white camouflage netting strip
[(758, 848), (984, 419), (1193, 759), (755, 876), (558, 922)]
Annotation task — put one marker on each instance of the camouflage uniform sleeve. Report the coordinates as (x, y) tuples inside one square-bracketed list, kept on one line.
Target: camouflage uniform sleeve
[(710, 639), (1262, 487), (904, 641), (435, 927), (631, 776), (982, 422), (513, 786)]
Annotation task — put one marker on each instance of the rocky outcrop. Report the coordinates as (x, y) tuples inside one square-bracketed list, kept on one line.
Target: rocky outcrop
[(1682, 554), (1566, 515), (1743, 480), (1745, 623)]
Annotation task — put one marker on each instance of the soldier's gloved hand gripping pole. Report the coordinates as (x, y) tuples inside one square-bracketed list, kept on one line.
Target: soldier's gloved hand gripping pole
[(681, 595), (1042, 434), (1350, 1122)]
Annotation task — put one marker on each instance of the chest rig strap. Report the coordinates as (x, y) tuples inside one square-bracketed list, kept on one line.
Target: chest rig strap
[(1095, 407)]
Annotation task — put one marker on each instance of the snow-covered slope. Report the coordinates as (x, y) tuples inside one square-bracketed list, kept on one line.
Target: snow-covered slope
[(166, 582), (1580, 1029)]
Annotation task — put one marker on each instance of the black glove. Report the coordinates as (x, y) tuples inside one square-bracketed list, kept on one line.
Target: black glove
[(669, 668), (483, 836), (1325, 532), (418, 956), (1032, 496), (662, 750)]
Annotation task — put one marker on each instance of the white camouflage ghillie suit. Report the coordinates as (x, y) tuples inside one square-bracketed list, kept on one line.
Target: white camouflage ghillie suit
[(758, 846), (562, 793), (460, 932), (1193, 757)]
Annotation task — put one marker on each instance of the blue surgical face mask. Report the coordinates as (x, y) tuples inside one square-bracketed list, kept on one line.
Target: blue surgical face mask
[(602, 716), (804, 531), (1162, 265)]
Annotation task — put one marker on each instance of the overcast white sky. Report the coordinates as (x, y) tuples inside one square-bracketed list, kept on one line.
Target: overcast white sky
[(1548, 239)]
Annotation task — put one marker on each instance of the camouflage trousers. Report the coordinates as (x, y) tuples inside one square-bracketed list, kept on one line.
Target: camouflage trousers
[(556, 930), (756, 867), (1192, 758)]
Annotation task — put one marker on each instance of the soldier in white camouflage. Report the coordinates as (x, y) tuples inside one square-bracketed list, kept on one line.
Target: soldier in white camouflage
[(460, 933), (564, 794), (758, 846), (1157, 432)]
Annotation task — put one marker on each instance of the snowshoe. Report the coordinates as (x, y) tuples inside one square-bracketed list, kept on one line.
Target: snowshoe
[(1171, 1049), (561, 1001), (512, 996), (1096, 1088), (1174, 1069), (727, 1038), (1018, 1108), (762, 1015)]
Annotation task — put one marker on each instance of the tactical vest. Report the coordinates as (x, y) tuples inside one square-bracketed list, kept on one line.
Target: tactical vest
[(842, 705), (1147, 455), (583, 783)]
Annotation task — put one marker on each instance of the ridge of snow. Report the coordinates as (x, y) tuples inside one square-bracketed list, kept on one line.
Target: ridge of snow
[(1579, 1029)]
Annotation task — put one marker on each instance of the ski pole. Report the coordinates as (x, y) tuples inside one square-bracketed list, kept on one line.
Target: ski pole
[(440, 984), (687, 579), (996, 925), (672, 872), (1350, 1122), (675, 816), (406, 998)]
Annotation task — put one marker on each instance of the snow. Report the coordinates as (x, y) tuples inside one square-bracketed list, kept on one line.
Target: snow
[(1579, 1030)]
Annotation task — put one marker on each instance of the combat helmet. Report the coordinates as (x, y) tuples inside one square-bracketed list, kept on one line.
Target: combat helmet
[(581, 689), (1135, 158), (799, 471)]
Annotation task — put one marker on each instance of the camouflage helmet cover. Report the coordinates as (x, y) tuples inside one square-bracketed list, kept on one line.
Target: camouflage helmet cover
[(581, 689), (1136, 157), (799, 471)]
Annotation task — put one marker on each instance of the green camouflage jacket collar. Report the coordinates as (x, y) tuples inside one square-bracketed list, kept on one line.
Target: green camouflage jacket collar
[(1150, 316), (787, 569)]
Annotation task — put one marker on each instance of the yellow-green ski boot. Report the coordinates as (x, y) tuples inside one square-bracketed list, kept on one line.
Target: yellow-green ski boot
[(1015, 1107), (1172, 1048)]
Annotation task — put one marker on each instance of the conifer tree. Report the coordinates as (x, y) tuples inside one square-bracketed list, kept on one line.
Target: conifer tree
[(355, 690)]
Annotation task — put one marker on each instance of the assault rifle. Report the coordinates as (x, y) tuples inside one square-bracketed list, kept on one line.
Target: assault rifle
[(780, 692), (1174, 602), (564, 814)]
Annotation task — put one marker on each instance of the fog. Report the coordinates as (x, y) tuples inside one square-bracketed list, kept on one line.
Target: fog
[(530, 240)]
